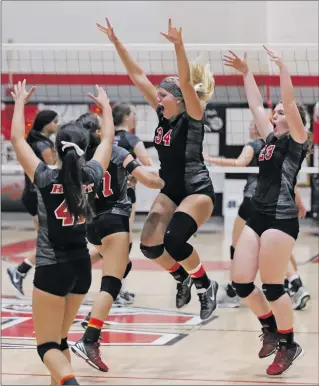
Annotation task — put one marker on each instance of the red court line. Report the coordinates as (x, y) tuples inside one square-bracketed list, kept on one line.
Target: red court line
[(176, 379), (17, 247), (124, 80)]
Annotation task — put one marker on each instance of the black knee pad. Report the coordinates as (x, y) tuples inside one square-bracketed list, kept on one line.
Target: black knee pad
[(232, 252), (273, 291), (130, 248), (243, 289), (64, 344), (152, 252), (181, 227), (45, 347), (111, 285), (128, 269)]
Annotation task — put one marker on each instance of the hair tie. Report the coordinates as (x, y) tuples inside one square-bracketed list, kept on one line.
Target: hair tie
[(78, 150)]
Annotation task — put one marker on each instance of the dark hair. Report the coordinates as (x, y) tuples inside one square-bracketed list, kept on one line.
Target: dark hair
[(90, 123), (42, 119), (120, 111), (71, 175)]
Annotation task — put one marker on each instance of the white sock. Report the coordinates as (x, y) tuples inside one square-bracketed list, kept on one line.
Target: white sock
[(124, 285)]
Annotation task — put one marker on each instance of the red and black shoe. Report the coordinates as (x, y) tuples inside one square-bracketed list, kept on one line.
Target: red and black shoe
[(90, 352), (285, 357), (270, 343)]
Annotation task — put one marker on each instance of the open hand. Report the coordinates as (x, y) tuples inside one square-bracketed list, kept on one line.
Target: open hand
[(173, 35), (236, 62), (275, 58), (20, 94), (108, 30), (101, 99)]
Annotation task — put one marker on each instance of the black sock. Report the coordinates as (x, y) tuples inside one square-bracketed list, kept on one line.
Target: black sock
[(91, 335), (201, 282), (269, 322), (130, 248), (296, 284), (232, 252), (286, 338), (286, 284), (230, 290), (70, 381), (179, 274), (24, 268)]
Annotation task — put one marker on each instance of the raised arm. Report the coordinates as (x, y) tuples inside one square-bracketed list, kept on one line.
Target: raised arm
[(192, 103), (296, 126), (243, 159), (135, 72), (104, 151), (253, 95), (145, 177), (25, 155)]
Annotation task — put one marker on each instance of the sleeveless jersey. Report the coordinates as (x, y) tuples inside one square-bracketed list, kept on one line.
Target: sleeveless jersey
[(252, 178), (126, 140), (179, 143), (111, 194), (59, 240), (279, 163)]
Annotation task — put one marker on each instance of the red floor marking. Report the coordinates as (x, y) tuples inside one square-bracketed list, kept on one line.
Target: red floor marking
[(315, 259), (17, 247), (231, 381)]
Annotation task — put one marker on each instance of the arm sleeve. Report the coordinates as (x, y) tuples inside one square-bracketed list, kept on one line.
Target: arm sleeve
[(118, 155), (93, 172), (43, 175)]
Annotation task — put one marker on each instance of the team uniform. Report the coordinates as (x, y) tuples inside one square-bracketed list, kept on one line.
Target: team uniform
[(252, 180), (112, 205), (62, 258), (179, 143), (127, 141), (29, 195), (273, 203)]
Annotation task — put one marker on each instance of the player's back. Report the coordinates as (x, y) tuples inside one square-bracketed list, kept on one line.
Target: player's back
[(59, 238)]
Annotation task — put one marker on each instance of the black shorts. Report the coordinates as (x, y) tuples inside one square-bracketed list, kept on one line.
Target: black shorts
[(107, 224), (244, 210), (30, 202), (62, 279), (260, 222), (178, 196), (131, 195)]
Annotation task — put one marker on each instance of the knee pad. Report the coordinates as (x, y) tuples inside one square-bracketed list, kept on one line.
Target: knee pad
[(152, 252), (232, 252), (181, 227), (243, 289), (111, 285), (45, 347), (130, 248), (64, 344), (273, 291), (128, 269)]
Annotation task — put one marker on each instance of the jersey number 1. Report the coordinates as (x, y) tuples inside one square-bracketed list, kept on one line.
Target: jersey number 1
[(107, 191), (62, 213)]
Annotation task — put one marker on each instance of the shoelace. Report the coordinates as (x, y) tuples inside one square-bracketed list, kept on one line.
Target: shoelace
[(182, 289), (203, 299)]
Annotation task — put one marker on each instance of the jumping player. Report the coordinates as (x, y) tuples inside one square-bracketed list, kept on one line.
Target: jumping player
[(63, 266), (45, 124), (273, 226), (187, 200), (109, 233)]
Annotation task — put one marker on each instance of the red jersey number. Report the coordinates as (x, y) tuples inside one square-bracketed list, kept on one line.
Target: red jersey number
[(266, 153), (62, 213), (107, 191), (159, 137)]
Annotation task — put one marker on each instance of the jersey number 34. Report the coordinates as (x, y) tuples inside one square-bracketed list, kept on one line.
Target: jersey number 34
[(266, 153), (159, 137)]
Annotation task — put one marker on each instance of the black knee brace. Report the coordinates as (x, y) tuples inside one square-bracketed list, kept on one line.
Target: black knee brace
[(181, 227), (273, 291), (45, 347), (243, 289), (152, 252), (128, 269), (232, 252), (64, 344), (111, 285)]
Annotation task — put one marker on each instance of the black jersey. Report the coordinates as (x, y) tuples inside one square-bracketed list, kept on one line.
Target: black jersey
[(279, 163), (252, 178), (38, 148), (126, 140), (111, 194), (58, 238), (179, 143)]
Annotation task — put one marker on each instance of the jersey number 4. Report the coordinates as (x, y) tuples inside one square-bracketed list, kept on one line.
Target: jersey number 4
[(266, 153), (159, 137), (62, 213)]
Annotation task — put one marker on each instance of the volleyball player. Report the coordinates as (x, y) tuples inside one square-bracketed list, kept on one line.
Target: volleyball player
[(63, 266), (187, 200), (45, 124), (124, 117), (248, 157), (267, 239), (109, 233)]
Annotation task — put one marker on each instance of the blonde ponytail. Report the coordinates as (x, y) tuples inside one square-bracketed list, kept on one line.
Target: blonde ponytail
[(202, 79)]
